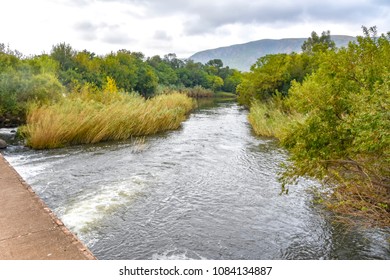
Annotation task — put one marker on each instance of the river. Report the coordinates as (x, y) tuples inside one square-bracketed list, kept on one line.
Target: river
[(206, 191)]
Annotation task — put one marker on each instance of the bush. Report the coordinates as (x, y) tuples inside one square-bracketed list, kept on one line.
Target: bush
[(17, 88), (345, 138)]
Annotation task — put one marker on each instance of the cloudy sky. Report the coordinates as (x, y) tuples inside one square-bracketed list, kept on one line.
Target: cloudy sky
[(179, 26)]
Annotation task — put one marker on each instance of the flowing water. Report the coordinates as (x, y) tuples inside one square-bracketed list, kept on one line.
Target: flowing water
[(206, 191)]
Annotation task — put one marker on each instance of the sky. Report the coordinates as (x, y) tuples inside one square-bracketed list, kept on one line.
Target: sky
[(158, 27)]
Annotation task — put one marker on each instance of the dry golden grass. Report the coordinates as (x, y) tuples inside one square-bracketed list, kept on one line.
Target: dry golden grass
[(85, 120)]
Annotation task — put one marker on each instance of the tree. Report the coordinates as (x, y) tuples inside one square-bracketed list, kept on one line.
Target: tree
[(173, 61), (64, 54), (267, 77), (88, 65), (232, 80), (43, 64), (147, 80), (216, 83), (316, 44), (165, 73), (8, 59), (122, 67), (193, 74), (217, 63)]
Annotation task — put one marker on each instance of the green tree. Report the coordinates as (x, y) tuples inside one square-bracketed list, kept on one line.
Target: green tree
[(43, 64), (267, 77), (166, 74), (122, 67), (317, 43), (232, 80), (64, 54), (147, 80), (215, 82), (8, 58), (214, 66), (193, 74), (89, 67), (173, 61)]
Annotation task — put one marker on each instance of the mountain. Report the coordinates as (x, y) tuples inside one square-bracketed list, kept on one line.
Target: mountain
[(243, 56)]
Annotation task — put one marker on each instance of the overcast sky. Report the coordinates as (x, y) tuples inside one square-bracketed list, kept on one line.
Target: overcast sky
[(178, 26)]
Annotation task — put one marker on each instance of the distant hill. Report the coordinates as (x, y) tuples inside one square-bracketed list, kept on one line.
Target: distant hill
[(243, 56)]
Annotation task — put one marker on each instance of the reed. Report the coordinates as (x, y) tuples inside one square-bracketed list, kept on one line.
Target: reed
[(86, 120), (199, 92), (194, 92), (267, 119)]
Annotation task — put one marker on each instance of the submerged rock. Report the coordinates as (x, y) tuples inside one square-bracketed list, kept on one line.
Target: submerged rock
[(3, 144)]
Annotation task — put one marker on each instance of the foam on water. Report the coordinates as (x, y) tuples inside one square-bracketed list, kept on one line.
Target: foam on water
[(85, 212), (176, 255), (22, 165)]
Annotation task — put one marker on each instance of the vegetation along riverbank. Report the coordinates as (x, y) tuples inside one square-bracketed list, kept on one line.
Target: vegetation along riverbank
[(70, 97), (330, 109), (328, 106)]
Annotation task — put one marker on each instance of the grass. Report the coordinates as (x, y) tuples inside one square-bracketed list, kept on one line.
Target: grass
[(224, 94), (194, 92), (267, 119), (198, 92), (85, 120)]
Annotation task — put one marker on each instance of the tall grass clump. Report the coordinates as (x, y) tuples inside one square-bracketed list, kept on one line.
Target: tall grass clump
[(91, 119), (199, 92), (268, 119), (194, 92)]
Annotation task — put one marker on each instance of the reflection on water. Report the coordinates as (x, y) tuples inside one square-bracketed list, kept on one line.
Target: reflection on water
[(206, 191)]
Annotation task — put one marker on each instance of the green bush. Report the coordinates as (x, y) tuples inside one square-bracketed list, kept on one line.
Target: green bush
[(345, 138), (18, 88)]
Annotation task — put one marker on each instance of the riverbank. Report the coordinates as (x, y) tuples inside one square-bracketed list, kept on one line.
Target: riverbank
[(29, 229)]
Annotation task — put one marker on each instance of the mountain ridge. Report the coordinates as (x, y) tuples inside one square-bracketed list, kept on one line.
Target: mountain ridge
[(243, 56)]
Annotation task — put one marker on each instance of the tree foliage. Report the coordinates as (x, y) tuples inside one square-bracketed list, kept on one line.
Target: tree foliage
[(272, 75), (43, 78), (22, 81), (317, 43)]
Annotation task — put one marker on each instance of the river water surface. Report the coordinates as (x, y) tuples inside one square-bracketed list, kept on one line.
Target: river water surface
[(206, 191)]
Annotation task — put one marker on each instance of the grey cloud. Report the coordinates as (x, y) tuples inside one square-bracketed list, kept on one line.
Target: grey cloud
[(205, 16), (87, 30), (116, 38), (162, 36), (108, 33), (208, 15), (270, 14), (86, 26), (208, 20), (343, 13), (89, 36)]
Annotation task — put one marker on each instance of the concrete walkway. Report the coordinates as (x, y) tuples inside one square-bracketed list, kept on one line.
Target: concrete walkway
[(28, 228)]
